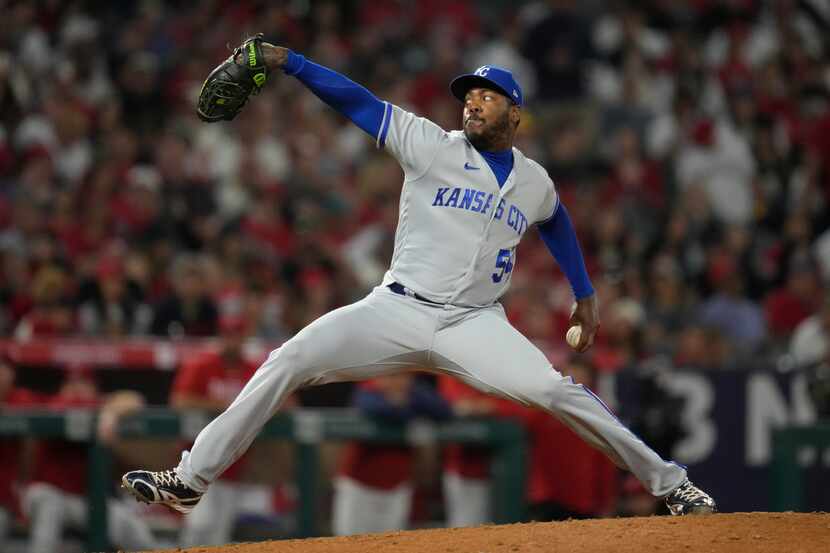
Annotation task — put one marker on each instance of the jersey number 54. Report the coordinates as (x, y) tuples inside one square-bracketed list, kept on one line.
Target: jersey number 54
[(504, 263)]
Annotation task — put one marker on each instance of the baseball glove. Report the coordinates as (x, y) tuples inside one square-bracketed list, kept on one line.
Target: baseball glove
[(227, 88)]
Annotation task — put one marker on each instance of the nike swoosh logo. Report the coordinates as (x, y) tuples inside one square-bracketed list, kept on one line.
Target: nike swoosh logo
[(469, 167)]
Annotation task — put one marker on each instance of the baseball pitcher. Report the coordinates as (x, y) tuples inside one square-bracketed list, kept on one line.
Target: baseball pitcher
[(467, 199)]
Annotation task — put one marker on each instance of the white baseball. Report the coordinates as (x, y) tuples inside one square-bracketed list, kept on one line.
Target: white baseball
[(573, 335)]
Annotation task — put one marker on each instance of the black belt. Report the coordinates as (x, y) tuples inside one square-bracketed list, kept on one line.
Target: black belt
[(399, 288)]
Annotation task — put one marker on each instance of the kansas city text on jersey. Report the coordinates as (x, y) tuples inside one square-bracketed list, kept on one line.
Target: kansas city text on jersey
[(478, 201)]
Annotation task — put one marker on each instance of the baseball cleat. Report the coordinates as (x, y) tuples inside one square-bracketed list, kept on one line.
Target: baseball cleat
[(164, 487), (688, 499)]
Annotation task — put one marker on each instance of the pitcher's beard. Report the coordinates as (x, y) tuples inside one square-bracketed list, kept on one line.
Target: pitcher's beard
[(490, 138)]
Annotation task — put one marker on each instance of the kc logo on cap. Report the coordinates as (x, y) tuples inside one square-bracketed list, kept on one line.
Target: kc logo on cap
[(488, 76)]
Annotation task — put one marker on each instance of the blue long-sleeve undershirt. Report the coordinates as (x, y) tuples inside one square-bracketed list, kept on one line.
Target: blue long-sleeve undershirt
[(346, 96), (366, 111), (559, 236)]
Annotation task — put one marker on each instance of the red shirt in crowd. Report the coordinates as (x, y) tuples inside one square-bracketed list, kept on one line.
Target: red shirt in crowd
[(471, 461), (384, 466), (784, 311), (380, 466), (213, 377), (62, 463), (567, 471)]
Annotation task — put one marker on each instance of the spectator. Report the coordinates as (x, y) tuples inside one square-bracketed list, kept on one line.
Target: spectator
[(502, 49), (787, 306), (115, 307), (631, 110), (810, 341), (634, 182), (567, 477), (139, 206), (51, 313), (211, 382), (559, 46), (55, 498), (189, 310), (666, 132), (623, 345), (15, 298), (13, 451), (669, 305), (373, 488), (729, 311), (369, 251), (717, 159), (466, 478), (701, 348)]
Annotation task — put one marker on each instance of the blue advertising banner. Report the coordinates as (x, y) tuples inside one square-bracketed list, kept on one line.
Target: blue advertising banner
[(727, 419)]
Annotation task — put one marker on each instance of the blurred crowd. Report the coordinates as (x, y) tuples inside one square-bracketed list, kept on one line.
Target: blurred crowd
[(689, 140)]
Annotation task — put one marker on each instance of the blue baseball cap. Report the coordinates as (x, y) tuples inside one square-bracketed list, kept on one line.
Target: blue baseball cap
[(488, 76)]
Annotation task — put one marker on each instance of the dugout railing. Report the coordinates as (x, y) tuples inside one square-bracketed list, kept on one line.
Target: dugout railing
[(307, 429)]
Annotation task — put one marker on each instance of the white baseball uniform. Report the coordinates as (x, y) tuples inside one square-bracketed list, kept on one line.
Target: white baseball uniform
[(467, 500), (361, 509), (50, 510), (212, 520), (455, 246)]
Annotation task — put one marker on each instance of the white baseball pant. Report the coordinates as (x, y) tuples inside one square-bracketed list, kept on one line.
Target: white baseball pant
[(50, 510), (385, 333), (466, 500), (212, 520), (361, 509)]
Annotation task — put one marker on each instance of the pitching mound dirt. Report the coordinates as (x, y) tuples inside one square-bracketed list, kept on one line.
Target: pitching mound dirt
[(723, 533)]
